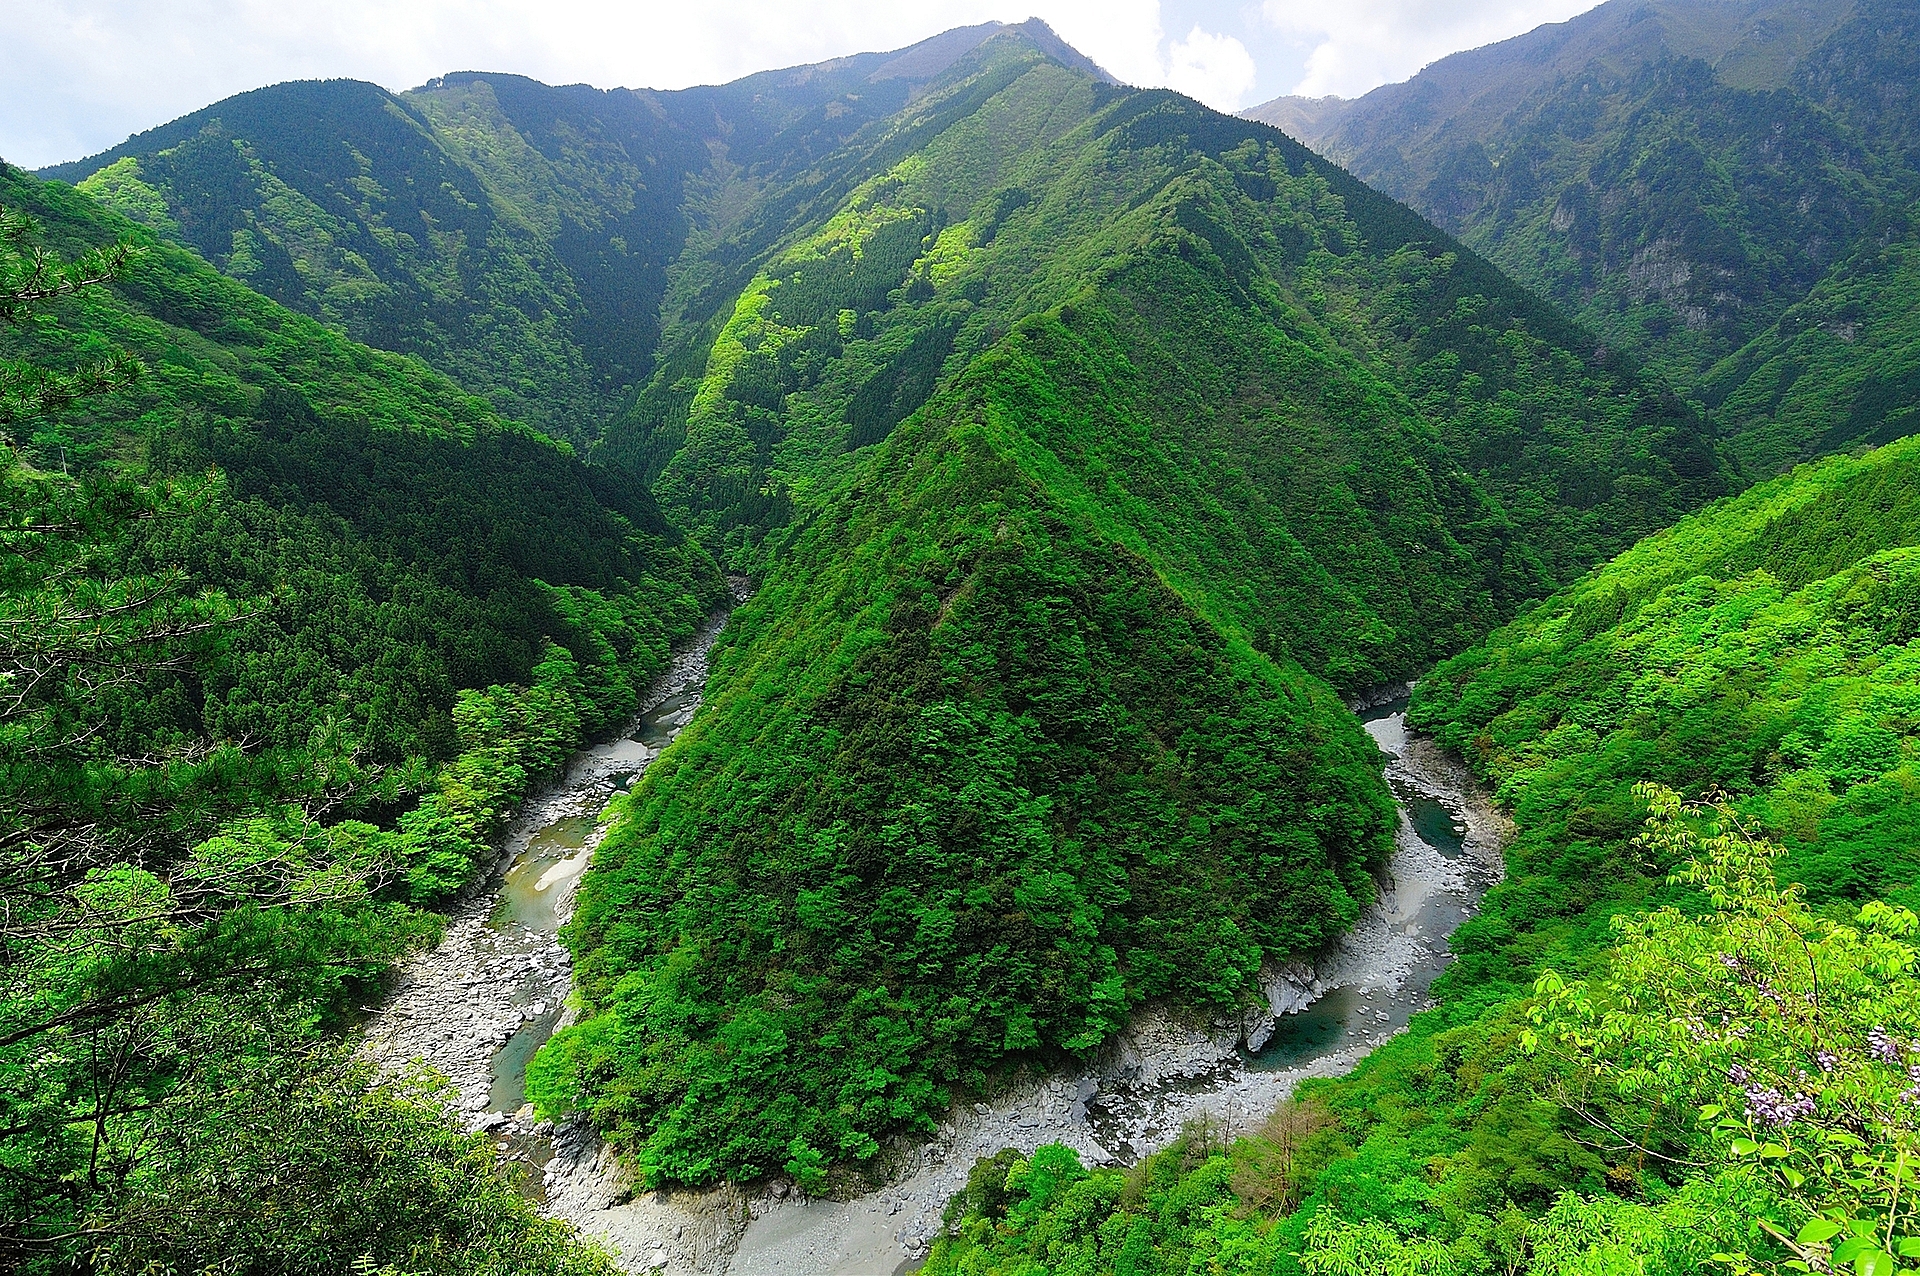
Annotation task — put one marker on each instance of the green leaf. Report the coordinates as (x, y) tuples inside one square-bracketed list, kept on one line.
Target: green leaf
[(1745, 1147), (1874, 1262), (1909, 1247), (1817, 1231)]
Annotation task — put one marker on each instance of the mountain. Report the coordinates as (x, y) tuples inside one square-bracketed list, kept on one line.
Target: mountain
[(1086, 449), (1766, 650), (515, 235), (1689, 178), (1077, 450), (1747, 44), (288, 626)]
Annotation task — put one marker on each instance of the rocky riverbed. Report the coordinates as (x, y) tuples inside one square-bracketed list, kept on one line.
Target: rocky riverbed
[(1319, 1019), (479, 1005)]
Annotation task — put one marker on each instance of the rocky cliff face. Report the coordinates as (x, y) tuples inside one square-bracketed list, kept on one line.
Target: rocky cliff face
[(1676, 174)]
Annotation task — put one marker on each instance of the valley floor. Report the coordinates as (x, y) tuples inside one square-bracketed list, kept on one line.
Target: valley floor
[(478, 1006)]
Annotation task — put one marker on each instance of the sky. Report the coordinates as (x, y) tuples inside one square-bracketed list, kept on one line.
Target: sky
[(79, 76)]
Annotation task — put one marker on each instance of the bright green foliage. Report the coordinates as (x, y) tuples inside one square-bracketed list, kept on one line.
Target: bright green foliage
[(999, 786), (29, 277), (1752, 1068), (252, 606), (1204, 1204), (1755, 648), (1763, 648), (1210, 1205), (1760, 648), (1795, 1037), (1016, 733)]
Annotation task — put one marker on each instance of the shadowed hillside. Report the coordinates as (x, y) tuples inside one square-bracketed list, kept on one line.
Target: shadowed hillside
[(1709, 184)]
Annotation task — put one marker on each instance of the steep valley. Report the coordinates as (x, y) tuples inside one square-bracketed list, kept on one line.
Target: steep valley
[(812, 674)]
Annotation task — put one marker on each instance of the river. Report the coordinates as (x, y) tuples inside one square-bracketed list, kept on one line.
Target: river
[(479, 1005)]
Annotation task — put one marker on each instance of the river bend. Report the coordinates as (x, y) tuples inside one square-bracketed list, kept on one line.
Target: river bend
[(480, 1004)]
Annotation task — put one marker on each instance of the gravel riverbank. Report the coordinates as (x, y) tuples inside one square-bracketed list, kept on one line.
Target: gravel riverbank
[(477, 1006), (1320, 1019)]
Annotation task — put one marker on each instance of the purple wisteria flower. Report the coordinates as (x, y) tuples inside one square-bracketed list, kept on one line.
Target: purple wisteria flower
[(1881, 1046), (1769, 1107), (1827, 1060), (1737, 1075)]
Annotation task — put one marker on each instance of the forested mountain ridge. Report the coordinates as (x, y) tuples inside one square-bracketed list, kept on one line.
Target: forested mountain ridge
[(1086, 446), (1655, 1029), (1689, 178), (998, 195), (1082, 383), (516, 235), (290, 625)]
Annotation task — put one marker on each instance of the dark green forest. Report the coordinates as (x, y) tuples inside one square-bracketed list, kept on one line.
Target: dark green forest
[(1723, 189), (367, 454), (289, 625)]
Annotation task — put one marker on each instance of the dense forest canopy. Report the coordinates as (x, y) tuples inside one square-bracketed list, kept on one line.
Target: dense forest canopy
[(1722, 186), (289, 624), (1191, 343), (1699, 1098), (1729, 1087), (1085, 381), (367, 453)]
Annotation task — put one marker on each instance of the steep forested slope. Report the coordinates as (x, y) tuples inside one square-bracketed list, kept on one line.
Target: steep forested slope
[(1026, 725), (287, 625), (1697, 180), (444, 545), (1017, 185), (1766, 650), (1760, 649), (975, 782), (515, 235)]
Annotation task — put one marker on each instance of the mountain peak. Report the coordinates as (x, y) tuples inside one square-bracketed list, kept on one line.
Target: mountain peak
[(930, 57)]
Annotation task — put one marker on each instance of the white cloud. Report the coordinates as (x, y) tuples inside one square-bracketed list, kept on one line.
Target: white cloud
[(1216, 69), (1359, 46), (77, 76)]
